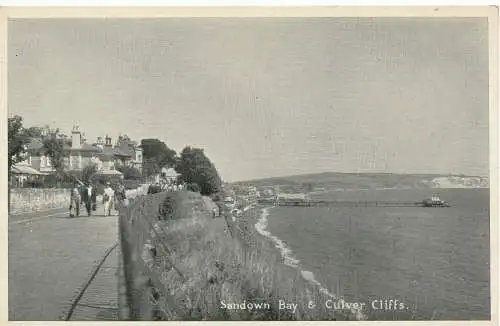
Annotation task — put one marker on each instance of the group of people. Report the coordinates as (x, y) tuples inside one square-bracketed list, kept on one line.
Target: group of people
[(165, 185), (86, 194)]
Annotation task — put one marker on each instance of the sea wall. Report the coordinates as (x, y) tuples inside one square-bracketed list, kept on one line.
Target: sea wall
[(26, 200)]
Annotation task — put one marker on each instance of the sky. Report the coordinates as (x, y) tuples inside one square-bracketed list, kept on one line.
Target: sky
[(266, 96)]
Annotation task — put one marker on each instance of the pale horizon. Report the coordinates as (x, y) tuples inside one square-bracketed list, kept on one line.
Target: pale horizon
[(266, 97)]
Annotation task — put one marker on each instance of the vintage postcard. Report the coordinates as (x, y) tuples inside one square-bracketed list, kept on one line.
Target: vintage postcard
[(250, 164)]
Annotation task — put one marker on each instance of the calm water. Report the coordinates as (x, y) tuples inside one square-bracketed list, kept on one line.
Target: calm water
[(435, 259)]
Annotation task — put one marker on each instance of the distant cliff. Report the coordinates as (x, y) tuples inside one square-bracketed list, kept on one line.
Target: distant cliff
[(457, 182), (345, 181)]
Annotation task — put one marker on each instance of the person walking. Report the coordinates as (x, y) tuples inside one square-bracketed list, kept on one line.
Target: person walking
[(89, 193), (75, 198), (93, 197), (85, 198), (108, 199)]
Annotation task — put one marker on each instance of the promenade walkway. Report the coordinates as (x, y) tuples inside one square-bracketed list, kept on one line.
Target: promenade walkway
[(51, 259)]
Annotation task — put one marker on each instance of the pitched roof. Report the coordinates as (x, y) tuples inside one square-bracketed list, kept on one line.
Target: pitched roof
[(24, 169)]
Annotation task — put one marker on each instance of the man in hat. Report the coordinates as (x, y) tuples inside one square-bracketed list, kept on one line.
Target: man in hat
[(108, 199), (88, 192)]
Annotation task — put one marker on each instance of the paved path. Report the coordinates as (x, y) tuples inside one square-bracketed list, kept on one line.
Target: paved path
[(97, 299), (50, 257)]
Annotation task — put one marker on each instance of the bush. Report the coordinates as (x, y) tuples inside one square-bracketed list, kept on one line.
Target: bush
[(33, 184), (129, 173), (193, 187), (131, 184)]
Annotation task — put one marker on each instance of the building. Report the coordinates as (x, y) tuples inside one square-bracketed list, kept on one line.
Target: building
[(79, 153), (170, 175)]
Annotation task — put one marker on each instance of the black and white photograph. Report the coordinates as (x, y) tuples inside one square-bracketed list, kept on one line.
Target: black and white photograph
[(262, 165)]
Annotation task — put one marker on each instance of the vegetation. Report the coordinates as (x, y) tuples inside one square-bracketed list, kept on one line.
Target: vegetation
[(17, 140), (156, 155), (192, 187), (54, 148), (195, 167), (215, 260), (129, 173), (89, 171)]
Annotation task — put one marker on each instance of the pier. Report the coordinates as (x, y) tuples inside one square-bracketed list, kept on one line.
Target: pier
[(338, 203), (304, 200)]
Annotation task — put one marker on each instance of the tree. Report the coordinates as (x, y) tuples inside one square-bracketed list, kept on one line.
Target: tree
[(156, 155), (34, 132), (89, 171), (17, 141), (195, 167), (54, 149)]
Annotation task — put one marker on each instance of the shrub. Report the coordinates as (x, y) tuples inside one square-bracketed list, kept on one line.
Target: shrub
[(129, 173), (193, 187), (33, 184), (131, 184)]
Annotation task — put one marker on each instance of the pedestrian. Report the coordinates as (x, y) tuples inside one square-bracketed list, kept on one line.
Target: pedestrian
[(86, 195), (108, 199), (75, 198), (93, 197), (121, 195)]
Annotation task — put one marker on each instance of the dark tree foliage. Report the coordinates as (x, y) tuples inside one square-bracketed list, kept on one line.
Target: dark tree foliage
[(17, 141), (89, 171), (34, 132), (195, 167), (156, 155), (192, 187), (54, 148)]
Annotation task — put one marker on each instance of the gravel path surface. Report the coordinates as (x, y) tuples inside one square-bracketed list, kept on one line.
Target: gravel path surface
[(50, 257)]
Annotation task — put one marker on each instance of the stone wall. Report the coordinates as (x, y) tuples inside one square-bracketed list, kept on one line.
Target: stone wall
[(25, 200)]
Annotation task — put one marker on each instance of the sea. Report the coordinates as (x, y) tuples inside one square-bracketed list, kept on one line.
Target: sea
[(435, 260)]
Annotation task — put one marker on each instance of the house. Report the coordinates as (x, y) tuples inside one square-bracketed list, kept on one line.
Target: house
[(170, 175), (79, 153)]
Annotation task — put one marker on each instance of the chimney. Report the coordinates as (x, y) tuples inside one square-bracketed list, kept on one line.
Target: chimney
[(108, 141), (76, 138), (100, 142)]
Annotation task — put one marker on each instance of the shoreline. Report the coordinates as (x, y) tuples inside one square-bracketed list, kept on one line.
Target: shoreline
[(255, 223), (288, 260)]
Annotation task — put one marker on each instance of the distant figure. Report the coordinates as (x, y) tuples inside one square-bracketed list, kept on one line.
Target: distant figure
[(121, 195), (88, 193), (181, 186), (93, 197), (108, 199), (75, 198), (175, 187)]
